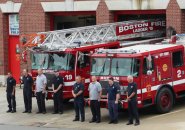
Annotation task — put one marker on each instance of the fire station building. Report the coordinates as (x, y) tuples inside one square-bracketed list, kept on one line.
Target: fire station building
[(29, 16)]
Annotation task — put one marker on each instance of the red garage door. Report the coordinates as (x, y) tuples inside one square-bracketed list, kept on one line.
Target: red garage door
[(14, 56), (13, 46)]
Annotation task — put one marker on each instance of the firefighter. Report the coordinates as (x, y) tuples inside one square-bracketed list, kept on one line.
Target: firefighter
[(113, 95), (78, 94), (95, 91), (132, 101), (27, 91), (57, 87), (10, 91), (40, 91)]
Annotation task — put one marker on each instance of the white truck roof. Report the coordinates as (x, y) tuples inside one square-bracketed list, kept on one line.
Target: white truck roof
[(138, 48)]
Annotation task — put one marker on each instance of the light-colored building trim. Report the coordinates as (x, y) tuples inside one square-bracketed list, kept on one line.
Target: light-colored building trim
[(10, 7), (53, 6), (86, 5), (115, 5), (70, 6), (181, 4)]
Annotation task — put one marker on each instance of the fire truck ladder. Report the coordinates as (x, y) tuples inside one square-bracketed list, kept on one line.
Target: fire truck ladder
[(81, 36)]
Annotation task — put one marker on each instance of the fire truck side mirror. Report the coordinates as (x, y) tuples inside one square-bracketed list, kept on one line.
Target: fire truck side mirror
[(149, 72)]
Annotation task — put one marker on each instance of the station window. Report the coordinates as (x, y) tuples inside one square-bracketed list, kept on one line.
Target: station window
[(177, 59), (148, 65)]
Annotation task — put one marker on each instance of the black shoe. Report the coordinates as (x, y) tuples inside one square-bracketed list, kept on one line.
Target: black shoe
[(110, 122), (60, 113), (115, 122), (55, 113), (29, 111), (38, 112), (9, 111), (98, 121), (44, 112), (129, 123), (76, 119), (92, 121), (14, 111), (25, 112), (136, 124), (82, 120)]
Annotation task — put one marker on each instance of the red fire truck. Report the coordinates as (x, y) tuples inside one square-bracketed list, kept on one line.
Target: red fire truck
[(68, 50), (158, 70)]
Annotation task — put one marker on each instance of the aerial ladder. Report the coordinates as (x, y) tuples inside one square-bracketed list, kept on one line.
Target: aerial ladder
[(93, 35)]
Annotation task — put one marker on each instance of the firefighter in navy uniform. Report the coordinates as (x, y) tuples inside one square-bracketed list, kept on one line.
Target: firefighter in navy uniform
[(132, 101), (78, 94), (113, 95), (10, 90), (27, 91), (57, 87)]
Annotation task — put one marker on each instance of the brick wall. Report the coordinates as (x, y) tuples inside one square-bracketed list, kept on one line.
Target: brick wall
[(175, 17), (103, 15), (183, 21), (3, 44)]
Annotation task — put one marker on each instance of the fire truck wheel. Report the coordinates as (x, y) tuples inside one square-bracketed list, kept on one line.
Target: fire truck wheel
[(164, 102)]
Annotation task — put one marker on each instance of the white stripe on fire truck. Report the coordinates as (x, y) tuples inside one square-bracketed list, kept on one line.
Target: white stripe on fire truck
[(153, 88), (73, 82)]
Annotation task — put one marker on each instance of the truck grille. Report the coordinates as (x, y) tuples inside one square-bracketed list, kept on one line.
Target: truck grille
[(49, 80), (104, 85)]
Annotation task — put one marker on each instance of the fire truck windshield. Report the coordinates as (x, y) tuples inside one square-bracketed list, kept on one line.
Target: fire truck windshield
[(115, 66), (58, 61), (100, 66), (124, 67)]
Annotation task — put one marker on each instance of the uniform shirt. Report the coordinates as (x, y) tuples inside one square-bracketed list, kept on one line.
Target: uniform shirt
[(132, 87), (113, 91), (41, 81), (94, 90), (57, 80), (28, 82), (76, 88), (11, 82)]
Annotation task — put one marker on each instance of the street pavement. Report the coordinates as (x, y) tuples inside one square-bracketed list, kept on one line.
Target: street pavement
[(13, 127), (150, 119)]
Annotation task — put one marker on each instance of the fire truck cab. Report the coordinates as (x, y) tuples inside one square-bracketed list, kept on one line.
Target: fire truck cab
[(158, 70), (70, 62)]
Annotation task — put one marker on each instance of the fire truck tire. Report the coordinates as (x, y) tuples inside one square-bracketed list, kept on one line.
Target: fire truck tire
[(164, 100)]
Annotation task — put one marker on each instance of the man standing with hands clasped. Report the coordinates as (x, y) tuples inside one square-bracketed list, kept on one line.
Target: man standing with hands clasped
[(57, 86), (95, 91), (40, 91), (113, 95), (78, 94), (132, 101), (27, 91), (10, 91)]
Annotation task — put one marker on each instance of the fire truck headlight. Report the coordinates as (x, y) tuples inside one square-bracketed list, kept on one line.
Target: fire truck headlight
[(123, 90), (149, 72)]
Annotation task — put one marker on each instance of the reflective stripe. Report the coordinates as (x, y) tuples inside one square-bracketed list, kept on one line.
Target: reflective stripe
[(153, 88), (71, 83)]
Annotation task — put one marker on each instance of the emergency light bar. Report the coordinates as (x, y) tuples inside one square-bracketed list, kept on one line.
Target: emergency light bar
[(148, 41), (115, 51)]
